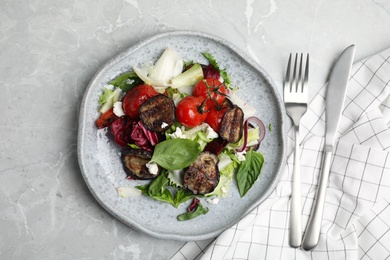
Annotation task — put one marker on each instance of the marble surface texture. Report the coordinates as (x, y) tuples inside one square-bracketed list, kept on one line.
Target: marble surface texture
[(49, 50)]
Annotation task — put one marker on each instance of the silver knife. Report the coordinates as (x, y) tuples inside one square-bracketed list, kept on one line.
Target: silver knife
[(335, 97)]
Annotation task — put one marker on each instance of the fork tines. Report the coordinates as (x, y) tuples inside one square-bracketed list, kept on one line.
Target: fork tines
[(297, 82)]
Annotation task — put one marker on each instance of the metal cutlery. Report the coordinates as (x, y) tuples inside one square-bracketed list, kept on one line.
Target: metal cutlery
[(295, 99), (335, 97)]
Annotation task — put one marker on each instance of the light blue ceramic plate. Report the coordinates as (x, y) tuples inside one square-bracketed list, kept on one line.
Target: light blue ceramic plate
[(99, 156)]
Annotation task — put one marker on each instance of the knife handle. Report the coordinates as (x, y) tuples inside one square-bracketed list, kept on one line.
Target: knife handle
[(313, 228), (295, 235)]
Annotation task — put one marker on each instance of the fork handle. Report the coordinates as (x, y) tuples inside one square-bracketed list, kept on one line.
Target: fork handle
[(313, 228), (295, 236)]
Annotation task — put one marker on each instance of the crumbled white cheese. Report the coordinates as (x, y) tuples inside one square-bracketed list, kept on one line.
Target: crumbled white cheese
[(178, 134), (210, 133), (130, 81), (110, 87), (152, 167), (241, 155), (118, 109), (213, 200), (163, 125)]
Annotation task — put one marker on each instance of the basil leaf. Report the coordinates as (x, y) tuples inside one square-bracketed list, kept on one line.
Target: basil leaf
[(158, 185), (175, 154), (157, 189), (166, 196), (126, 81), (249, 171), (200, 210), (182, 195), (144, 189)]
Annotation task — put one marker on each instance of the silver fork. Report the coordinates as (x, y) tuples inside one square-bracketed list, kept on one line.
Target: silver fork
[(295, 99)]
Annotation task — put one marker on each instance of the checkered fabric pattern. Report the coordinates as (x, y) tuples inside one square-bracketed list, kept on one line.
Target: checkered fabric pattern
[(356, 221)]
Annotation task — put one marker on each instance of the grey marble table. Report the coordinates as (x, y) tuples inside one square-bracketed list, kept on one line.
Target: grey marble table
[(49, 50)]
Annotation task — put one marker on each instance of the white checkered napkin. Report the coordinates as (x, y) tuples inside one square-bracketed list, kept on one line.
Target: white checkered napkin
[(356, 221), (360, 177), (374, 229)]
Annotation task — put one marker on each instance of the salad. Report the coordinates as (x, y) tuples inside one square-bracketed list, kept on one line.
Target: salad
[(182, 128)]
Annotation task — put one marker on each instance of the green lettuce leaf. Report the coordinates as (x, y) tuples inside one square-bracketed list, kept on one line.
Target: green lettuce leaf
[(126, 81), (222, 72), (181, 196), (108, 98), (158, 190)]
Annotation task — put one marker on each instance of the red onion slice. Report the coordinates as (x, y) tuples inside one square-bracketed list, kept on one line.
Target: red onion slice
[(260, 124)]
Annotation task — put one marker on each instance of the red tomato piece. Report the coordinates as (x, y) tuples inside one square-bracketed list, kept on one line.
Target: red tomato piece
[(135, 98), (211, 89), (191, 111), (214, 118), (106, 118)]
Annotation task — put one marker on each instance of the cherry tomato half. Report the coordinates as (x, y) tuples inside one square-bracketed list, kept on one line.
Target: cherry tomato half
[(106, 118), (135, 98), (191, 111), (213, 90)]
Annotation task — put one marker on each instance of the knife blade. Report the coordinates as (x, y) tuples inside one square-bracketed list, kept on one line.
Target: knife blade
[(335, 97)]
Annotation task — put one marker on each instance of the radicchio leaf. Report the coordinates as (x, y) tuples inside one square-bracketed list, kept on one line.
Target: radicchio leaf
[(144, 138), (209, 71), (120, 128), (129, 131), (216, 146), (192, 207)]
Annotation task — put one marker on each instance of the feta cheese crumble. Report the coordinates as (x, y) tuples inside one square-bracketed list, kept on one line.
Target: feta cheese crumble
[(241, 155), (213, 200), (110, 87), (210, 133), (118, 110), (152, 167), (178, 134), (130, 81)]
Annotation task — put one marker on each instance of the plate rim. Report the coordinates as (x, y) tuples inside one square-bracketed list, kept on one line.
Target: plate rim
[(113, 60)]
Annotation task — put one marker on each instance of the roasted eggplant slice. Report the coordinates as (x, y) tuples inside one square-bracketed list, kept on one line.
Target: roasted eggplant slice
[(134, 162), (232, 125), (227, 103), (157, 113), (203, 175)]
